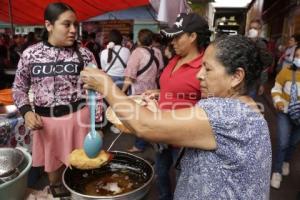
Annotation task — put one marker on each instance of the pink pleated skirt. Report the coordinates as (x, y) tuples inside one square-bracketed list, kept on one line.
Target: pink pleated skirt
[(58, 138)]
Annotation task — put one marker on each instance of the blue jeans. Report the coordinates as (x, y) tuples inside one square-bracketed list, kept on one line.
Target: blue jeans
[(288, 135), (118, 80), (164, 162), (140, 143)]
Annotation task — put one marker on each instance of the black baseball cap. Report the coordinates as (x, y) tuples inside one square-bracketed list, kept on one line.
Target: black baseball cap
[(187, 23)]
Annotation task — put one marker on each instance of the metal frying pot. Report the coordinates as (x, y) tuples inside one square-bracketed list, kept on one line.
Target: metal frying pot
[(73, 179)]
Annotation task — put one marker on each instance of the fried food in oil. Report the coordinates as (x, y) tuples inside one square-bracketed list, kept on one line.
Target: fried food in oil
[(80, 160)]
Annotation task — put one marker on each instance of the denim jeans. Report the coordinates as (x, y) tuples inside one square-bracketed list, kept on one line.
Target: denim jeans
[(288, 135), (140, 143), (163, 164), (118, 80)]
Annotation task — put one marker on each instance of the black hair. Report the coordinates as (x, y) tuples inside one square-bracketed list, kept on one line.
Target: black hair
[(237, 51), (129, 35), (30, 41), (203, 35), (31, 37), (145, 37), (297, 38), (114, 36), (52, 12), (157, 38), (171, 50), (92, 35), (84, 35), (203, 39)]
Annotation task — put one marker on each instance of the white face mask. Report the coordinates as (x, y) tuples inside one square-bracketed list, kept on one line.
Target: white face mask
[(297, 62), (253, 33)]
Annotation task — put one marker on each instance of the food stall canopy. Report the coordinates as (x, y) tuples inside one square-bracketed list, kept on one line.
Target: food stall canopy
[(136, 13), (31, 12)]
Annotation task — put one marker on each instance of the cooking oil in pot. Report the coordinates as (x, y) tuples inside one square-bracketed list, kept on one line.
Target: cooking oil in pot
[(112, 183)]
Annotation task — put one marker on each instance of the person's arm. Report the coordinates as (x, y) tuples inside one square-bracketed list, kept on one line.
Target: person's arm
[(276, 91), (20, 95), (127, 83), (185, 127), (131, 70)]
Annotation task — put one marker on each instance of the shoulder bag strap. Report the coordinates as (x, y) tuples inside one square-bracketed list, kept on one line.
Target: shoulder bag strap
[(294, 88), (155, 60), (152, 58), (119, 57), (113, 61)]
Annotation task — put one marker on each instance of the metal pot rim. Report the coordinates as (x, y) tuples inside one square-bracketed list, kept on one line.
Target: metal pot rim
[(11, 170), (114, 196), (24, 172)]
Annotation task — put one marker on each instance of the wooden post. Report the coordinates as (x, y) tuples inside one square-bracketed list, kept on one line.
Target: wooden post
[(11, 18)]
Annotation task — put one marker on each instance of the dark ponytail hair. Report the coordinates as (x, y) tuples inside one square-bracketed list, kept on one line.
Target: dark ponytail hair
[(114, 36), (203, 34), (203, 39), (52, 12)]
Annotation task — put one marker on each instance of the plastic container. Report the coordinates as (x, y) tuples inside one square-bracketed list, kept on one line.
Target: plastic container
[(15, 189)]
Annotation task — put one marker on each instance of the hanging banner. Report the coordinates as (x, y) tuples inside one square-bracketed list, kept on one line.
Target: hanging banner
[(124, 26)]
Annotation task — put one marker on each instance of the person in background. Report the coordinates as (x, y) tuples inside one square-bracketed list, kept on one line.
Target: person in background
[(179, 86), (142, 71), (93, 46), (114, 60), (60, 119), (128, 41), (30, 40), (287, 58), (227, 140), (5, 91), (158, 41), (5, 85), (288, 133), (254, 33), (3, 53), (168, 53), (15, 50)]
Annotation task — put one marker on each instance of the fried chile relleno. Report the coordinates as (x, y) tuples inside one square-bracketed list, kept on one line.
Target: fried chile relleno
[(80, 160)]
